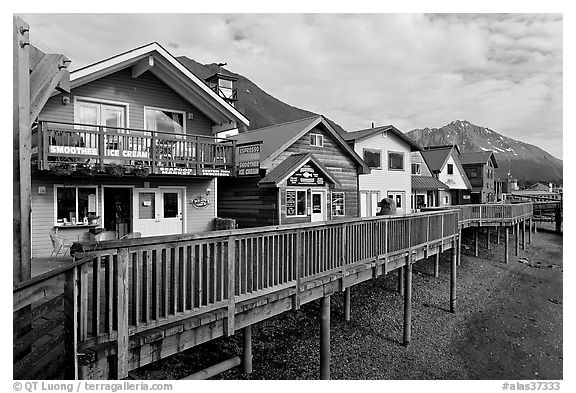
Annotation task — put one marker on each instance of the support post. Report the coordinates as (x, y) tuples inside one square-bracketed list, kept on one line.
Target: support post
[(523, 234), (122, 351), (535, 227), (407, 302), (247, 352), (558, 220), (437, 265), (498, 235), (453, 281), (476, 230), (325, 337), (517, 239), (71, 321), (506, 244), (459, 249), (530, 231), (488, 238), (347, 304), (401, 281)]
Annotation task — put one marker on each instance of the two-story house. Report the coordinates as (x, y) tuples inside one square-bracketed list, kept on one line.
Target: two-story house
[(386, 150), (134, 147), (479, 167), (427, 190), (295, 172), (445, 165)]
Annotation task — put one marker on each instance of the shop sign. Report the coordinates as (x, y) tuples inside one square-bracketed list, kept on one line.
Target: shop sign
[(84, 151), (306, 176), (200, 201), (214, 172), (171, 170), (248, 160)]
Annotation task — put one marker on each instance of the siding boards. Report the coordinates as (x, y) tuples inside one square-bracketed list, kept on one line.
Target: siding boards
[(146, 90)]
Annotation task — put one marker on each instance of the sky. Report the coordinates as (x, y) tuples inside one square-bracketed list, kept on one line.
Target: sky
[(502, 71)]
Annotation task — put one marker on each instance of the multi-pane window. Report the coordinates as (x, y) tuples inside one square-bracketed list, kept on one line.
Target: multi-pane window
[(295, 203), (75, 204), (416, 169), (395, 161), (450, 169), (162, 120), (317, 140), (338, 204), (373, 158)]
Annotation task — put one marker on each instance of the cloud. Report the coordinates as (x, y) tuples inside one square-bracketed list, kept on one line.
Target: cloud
[(412, 70)]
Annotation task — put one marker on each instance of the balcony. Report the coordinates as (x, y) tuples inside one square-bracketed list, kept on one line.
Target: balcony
[(73, 146)]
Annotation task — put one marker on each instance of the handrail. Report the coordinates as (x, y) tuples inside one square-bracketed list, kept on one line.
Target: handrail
[(130, 129)]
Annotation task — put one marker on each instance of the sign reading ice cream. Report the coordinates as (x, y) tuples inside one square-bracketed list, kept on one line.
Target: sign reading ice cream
[(92, 151)]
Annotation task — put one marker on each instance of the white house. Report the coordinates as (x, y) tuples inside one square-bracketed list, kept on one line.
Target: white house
[(386, 150)]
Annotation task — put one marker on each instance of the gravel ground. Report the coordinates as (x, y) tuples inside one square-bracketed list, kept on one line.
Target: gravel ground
[(508, 325)]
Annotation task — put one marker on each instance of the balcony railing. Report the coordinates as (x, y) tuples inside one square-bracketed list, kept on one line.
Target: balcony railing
[(99, 146)]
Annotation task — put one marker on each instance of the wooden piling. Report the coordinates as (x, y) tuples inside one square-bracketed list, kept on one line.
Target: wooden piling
[(459, 248), (325, 337), (407, 302), (437, 265), (517, 239), (122, 352), (498, 235), (523, 234), (506, 243), (347, 304), (453, 280), (530, 231), (558, 220), (401, 281), (476, 241), (488, 238), (247, 350)]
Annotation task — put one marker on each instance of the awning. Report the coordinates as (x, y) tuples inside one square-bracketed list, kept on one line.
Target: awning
[(427, 183)]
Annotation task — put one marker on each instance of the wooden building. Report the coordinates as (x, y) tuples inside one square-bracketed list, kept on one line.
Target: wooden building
[(479, 167), (295, 172), (427, 190), (386, 150), (134, 147), (445, 164)]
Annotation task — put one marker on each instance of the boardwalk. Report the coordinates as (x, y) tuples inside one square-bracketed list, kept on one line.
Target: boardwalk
[(135, 302)]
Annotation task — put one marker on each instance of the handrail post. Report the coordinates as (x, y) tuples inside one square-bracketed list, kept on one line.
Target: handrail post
[(101, 144), (122, 316), (71, 322), (153, 152), (230, 320), (198, 155), (296, 298)]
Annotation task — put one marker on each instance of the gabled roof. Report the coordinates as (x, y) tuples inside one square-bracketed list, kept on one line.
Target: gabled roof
[(154, 58), (291, 165), (437, 157), (277, 138), (361, 134), (427, 183), (478, 157)]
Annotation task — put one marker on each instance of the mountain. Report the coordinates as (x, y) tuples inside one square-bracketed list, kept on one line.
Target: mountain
[(259, 107), (527, 163)]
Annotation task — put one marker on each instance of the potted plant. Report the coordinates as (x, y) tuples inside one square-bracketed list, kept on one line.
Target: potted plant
[(92, 219), (115, 170), (140, 169), (62, 169)]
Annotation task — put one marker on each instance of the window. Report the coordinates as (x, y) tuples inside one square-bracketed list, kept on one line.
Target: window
[(373, 158), (397, 198), (473, 173), (450, 169), (396, 161), (73, 204), (446, 199), (163, 120), (295, 203), (316, 140), (338, 204), (416, 169)]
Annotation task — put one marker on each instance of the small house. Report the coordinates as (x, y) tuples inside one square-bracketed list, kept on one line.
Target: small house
[(479, 167), (426, 189)]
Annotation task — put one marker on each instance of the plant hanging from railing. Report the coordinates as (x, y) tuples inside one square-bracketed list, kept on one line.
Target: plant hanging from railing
[(140, 169), (63, 168), (85, 169), (115, 169)]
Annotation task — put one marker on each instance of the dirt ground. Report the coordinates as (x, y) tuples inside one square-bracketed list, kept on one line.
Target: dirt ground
[(508, 325)]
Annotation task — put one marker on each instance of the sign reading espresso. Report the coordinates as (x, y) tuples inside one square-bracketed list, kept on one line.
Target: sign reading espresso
[(306, 176), (248, 159)]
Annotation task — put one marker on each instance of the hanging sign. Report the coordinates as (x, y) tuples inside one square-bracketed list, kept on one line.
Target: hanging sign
[(306, 176), (248, 159)]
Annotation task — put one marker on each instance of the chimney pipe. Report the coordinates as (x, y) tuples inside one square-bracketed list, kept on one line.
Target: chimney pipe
[(372, 124)]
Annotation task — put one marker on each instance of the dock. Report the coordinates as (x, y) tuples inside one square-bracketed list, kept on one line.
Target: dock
[(136, 301)]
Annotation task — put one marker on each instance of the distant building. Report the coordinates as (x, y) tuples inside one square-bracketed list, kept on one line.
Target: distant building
[(479, 167), (444, 163), (426, 189), (387, 151)]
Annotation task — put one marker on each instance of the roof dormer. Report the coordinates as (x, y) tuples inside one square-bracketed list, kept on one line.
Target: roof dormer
[(224, 86)]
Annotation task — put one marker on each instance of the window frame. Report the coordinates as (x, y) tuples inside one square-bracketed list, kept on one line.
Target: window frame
[(316, 135), (296, 190), (403, 169), (75, 187), (450, 169), (343, 204), (370, 150), (417, 165), (183, 113)]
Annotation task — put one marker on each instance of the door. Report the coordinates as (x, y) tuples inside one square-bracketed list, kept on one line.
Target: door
[(374, 199), (363, 204), (95, 113), (318, 206), (157, 211)]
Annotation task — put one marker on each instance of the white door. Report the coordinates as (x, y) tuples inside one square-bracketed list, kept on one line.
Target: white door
[(157, 211), (363, 204), (318, 206), (374, 199)]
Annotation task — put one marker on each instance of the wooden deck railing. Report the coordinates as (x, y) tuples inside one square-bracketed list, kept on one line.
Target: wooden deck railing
[(486, 213), (162, 153), (130, 286)]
